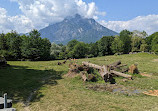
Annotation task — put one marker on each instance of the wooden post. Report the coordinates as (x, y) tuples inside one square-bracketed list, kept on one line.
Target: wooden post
[(5, 100)]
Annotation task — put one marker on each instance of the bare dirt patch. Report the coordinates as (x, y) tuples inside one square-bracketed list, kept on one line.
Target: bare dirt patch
[(155, 60), (114, 88)]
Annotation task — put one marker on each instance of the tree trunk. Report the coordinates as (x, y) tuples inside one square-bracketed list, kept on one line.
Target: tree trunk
[(115, 64), (92, 65), (121, 74)]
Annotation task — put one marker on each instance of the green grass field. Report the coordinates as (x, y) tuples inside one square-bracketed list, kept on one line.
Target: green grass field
[(49, 90)]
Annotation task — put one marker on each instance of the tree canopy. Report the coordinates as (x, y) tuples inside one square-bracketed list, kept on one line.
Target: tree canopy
[(32, 47)]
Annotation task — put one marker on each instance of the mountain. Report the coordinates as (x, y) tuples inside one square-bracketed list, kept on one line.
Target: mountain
[(77, 27)]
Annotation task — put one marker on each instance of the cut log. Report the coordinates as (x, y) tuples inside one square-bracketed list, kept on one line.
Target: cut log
[(115, 64), (92, 65), (121, 65), (133, 69), (103, 70), (121, 74), (125, 70)]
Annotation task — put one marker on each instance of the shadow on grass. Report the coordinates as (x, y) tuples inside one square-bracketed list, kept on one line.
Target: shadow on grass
[(23, 84)]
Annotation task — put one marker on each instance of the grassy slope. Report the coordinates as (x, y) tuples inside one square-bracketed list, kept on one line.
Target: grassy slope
[(55, 93)]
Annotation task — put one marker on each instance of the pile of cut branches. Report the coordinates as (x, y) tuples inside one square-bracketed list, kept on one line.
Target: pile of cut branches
[(107, 72)]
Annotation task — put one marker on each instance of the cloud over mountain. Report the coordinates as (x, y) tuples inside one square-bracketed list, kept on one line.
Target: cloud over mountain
[(40, 13)]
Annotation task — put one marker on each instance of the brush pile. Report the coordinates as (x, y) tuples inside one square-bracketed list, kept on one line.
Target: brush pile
[(106, 72)]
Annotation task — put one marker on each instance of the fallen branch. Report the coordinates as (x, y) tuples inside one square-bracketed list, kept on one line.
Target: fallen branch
[(121, 74)]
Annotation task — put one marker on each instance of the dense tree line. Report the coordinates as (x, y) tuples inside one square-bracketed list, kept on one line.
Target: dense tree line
[(32, 47), (126, 42), (18, 47)]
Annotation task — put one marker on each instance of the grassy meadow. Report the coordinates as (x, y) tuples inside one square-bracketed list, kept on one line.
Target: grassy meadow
[(44, 85)]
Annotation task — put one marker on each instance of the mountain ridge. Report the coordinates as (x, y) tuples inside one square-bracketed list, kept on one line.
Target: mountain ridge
[(77, 27)]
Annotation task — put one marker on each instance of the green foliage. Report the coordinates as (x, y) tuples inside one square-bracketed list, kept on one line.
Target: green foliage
[(136, 43), (93, 50), (45, 49), (10, 44), (155, 44), (55, 50), (150, 39), (7, 54), (117, 45), (3, 42), (71, 44), (125, 37), (33, 47), (80, 50), (104, 45), (144, 47)]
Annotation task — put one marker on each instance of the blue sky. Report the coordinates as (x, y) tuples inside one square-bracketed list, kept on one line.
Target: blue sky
[(11, 7), (126, 9), (23, 15)]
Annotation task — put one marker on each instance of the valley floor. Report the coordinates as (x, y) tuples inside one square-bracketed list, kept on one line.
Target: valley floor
[(41, 86)]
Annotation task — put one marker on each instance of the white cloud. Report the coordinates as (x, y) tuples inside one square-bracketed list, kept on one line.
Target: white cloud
[(18, 23), (147, 23), (21, 23), (4, 21), (40, 13)]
